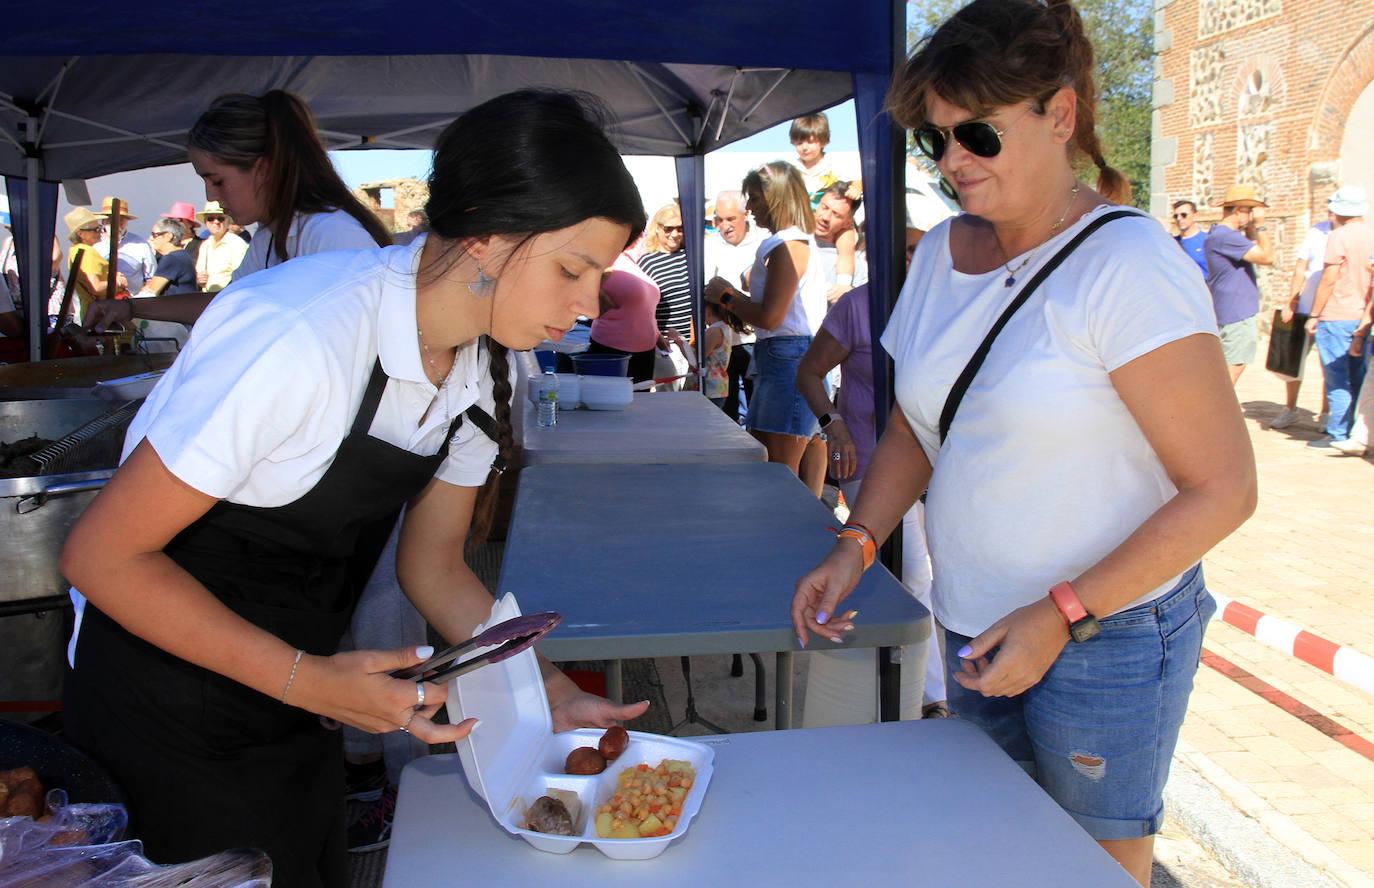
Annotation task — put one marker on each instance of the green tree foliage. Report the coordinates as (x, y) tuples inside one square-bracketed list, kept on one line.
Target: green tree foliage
[(1121, 32)]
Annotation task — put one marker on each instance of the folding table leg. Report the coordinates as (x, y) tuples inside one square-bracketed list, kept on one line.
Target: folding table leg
[(889, 684), (615, 690), (782, 692)]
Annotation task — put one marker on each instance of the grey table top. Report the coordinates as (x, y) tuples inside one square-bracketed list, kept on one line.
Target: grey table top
[(674, 560), (658, 427), (902, 803)]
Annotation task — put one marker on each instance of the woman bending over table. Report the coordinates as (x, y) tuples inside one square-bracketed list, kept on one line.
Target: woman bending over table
[(312, 399), (1098, 453)]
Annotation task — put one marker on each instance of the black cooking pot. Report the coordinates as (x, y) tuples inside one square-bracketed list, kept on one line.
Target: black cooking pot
[(59, 764)]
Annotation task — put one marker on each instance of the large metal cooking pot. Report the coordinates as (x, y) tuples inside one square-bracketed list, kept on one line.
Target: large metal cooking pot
[(37, 512)]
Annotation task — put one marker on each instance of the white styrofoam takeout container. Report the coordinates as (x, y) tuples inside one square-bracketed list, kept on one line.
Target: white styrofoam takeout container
[(514, 757), (127, 388)]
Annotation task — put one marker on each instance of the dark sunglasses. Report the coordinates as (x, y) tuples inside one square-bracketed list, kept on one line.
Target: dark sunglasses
[(978, 137), (1182, 215), (671, 229), (214, 218)]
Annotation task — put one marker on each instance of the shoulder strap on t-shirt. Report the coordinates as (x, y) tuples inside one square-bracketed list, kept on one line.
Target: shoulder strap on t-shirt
[(956, 394)]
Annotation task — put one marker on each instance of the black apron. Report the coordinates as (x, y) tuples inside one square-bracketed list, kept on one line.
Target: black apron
[(208, 763)]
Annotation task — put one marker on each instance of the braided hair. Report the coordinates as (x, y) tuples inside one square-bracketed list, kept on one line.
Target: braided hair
[(522, 164)]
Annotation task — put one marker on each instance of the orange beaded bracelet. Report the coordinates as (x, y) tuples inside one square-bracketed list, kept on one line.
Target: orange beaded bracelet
[(864, 537)]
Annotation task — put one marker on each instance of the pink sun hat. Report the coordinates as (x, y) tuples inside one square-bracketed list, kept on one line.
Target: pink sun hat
[(180, 210)]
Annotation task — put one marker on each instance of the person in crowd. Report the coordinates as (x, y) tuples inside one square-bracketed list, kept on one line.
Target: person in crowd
[(810, 134), (1308, 263), (837, 241), (665, 261), (1190, 235), (416, 225), (1339, 306), (92, 269), (240, 232), (627, 324), (185, 213), (1233, 247), (11, 321), (221, 611), (1098, 453), (787, 309), (715, 365), (841, 686), (1362, 428), (730, 256), (221, 253), (926, 205), (137, 261), (176, 271)]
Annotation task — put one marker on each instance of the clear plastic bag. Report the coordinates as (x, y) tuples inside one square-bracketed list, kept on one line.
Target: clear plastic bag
[(78, 846)]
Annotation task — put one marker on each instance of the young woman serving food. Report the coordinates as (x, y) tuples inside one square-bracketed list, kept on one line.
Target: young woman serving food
[(312, 399)]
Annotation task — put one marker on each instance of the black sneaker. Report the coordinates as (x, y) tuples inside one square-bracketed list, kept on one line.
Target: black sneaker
[(364, 783), (372, 831)]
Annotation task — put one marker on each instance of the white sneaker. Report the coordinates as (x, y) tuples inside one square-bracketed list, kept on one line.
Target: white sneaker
[(1348, 447), (1285, 419)]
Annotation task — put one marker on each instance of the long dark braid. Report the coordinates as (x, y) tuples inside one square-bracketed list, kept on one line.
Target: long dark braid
[(484, 510)]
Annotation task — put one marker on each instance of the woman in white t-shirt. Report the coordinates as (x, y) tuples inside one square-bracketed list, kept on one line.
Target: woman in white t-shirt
[(1308, 264), (312, 399), (789, 304), (263, 162), (1097, 455)]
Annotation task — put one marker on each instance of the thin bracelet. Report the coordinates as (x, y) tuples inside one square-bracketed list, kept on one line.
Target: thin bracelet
[(292, 677)]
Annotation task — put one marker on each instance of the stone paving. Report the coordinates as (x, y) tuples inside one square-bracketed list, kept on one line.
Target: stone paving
[(1303, 557)]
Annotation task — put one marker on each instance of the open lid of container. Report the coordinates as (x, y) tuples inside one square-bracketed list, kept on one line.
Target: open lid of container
[(510, 700)]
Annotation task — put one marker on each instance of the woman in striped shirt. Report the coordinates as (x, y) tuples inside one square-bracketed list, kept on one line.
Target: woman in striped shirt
[(665, 261)]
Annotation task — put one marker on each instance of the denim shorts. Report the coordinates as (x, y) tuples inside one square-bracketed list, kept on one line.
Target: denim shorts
[(776, 405), (1098, 732)]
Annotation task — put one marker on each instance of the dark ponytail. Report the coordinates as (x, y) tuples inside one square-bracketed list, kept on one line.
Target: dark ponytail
[(520, 165), (238, 129)]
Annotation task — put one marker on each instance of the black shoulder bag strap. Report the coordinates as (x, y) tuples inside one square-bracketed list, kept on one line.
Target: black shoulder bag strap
[(956, 394)]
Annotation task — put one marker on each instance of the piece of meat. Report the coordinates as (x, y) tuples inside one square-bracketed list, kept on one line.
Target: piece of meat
[(549, 815)]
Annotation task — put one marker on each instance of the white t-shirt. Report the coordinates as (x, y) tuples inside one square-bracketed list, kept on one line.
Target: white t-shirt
[(259, 400), (826, 172), (1045, 470), (731, 261), (1313, 252), (807, 308), (137, 260), (309, 233)]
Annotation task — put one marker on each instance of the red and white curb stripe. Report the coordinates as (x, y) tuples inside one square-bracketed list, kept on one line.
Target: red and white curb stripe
[(1345, 663)]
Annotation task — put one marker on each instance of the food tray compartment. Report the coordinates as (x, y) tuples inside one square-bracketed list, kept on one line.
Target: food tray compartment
[(650, 749), (586, 789)]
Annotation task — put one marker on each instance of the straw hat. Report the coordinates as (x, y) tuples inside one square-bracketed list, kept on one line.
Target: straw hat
[(213, 208), (80, 218), (1241, 196), (1350, 200), (180, 210), (105, 208)]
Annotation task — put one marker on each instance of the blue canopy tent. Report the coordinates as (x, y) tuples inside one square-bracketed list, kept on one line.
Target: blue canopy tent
[(83, 96)]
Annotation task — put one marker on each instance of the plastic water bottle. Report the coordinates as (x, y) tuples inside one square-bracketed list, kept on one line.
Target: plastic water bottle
[(548, 399)]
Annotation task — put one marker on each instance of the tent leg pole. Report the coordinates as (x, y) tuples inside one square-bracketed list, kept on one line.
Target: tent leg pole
[(33, 287)]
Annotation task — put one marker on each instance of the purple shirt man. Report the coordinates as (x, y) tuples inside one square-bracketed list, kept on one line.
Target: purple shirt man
[(1231, 279)]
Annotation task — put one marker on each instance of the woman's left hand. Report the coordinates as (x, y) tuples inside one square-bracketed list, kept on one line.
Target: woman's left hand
[(1030, 639), (578, 709), (843, 455)]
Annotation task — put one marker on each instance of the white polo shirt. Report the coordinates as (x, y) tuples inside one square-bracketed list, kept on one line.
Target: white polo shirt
[(258, 402), (309, 233), (1045, 470)]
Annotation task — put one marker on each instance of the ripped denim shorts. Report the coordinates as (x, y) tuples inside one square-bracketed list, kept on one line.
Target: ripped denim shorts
[(1099, 730)]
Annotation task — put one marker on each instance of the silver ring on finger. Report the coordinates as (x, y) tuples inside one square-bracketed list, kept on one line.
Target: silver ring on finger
[(835, 457), (406, 727), (419, 695)]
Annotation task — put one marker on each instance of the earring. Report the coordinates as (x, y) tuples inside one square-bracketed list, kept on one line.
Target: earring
[(483, 286)]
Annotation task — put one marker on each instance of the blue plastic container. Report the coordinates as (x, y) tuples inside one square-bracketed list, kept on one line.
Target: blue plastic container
[(547, 360), (602, 365)]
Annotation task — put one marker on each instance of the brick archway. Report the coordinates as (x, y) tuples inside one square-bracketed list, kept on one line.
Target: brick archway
[(1348, 79)]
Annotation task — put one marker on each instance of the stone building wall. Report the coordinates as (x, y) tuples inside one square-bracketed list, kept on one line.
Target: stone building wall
[(407, 195), (1257, 91)]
